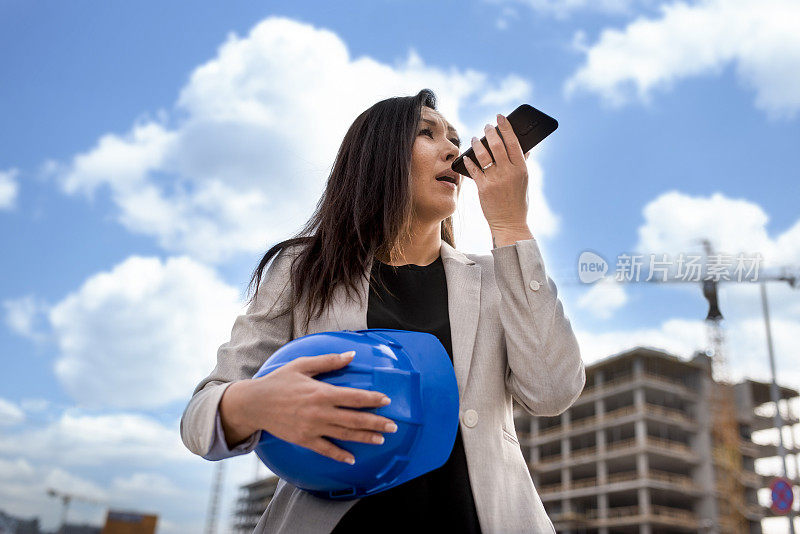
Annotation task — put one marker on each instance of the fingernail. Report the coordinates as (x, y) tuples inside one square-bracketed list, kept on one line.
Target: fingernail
[(348, 354), (391, 427), (385, 401), (474, 139), (501, 119), (350, 460), (378, 439)]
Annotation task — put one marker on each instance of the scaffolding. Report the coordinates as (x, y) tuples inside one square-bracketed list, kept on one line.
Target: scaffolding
[(726, 440), (725, 434)]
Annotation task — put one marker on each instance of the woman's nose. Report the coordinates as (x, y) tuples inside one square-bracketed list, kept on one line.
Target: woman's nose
[(451, 152)]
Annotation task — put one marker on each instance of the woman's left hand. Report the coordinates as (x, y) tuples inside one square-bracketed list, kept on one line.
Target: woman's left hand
[(502, 187)]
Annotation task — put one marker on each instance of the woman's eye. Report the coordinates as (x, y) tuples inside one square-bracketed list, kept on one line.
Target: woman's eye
[(454, 140)]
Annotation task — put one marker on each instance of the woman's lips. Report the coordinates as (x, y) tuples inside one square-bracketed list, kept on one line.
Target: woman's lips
[(451, 185)]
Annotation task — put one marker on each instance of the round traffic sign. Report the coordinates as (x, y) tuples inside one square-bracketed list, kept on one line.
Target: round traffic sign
[(782, 495)]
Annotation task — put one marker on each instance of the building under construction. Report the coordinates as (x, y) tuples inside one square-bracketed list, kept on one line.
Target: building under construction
[(643, 449), (252, 501), (639, 450)]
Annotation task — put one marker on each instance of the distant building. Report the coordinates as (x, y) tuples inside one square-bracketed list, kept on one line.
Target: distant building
[(251, 503), (78, 529), (10, 524), (129, 522), (634, 454)]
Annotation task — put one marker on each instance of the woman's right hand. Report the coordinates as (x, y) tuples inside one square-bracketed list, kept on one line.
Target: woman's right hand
[(291, 405)]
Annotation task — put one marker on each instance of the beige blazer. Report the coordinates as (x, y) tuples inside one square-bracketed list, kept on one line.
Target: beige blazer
[(510, 339)]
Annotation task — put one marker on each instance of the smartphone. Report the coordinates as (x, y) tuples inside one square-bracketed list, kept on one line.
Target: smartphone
[(529, 124)]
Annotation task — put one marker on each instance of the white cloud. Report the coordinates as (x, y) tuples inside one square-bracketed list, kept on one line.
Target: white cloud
[(506, 14), (21, 316), (119, 460), (144, 485), (680, 337), (34, 405), (24, 489), (744, 349), (604, 298), (10, 413), (512, 88), (253, 140), (758, 37), (81, 439), (563, 9), (143, 334), (674, 222), (24, 492), (9, 188)]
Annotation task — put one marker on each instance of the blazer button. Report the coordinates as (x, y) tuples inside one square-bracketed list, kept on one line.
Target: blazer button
[(534, 285), (470, 418)]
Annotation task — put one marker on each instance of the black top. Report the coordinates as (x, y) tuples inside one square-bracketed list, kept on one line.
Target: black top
[(440, 500)]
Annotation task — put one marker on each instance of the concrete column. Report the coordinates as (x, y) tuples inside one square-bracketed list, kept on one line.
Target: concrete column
[(602, 497), (600, 434), (602, 471), (638, 399), (566, 508), (535, 452), (602, 509), (644, 502), (642, 465), (565, 452), (640, 425), (703, 474), (565, 424), (535, 449), (638, 367), (641, 432), (566, 476)]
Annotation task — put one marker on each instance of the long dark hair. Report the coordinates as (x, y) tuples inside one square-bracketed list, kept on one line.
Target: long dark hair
[(366, 208)]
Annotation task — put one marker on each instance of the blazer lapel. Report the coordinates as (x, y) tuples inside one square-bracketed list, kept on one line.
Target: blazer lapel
[(463, 301)]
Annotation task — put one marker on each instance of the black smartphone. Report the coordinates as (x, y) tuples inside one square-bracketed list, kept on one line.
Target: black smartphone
[(530, 125)]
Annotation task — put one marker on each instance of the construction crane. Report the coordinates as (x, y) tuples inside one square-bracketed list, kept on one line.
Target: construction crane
[(726, 438), (66, 499), (216, 494), (725, 430)]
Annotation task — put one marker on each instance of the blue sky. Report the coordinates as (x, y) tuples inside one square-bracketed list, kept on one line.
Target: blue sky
[(151, 152)]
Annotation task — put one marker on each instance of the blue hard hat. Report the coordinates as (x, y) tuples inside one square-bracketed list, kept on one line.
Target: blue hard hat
[(411, 368)]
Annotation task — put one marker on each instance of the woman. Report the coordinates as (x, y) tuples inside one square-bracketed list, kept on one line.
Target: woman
[(384, 212)]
